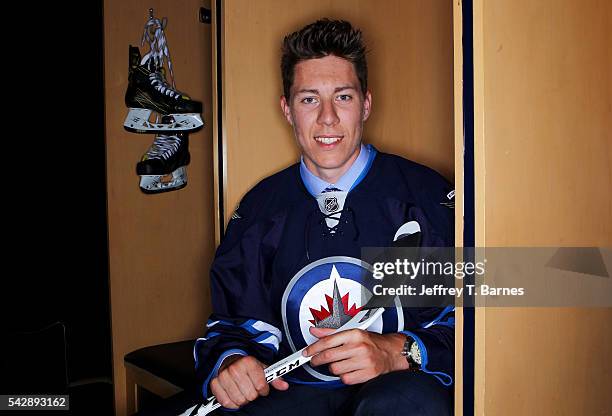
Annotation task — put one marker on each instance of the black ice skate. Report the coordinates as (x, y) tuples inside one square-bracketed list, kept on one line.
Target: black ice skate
[(162, 167), (167, 153), (148, 91)]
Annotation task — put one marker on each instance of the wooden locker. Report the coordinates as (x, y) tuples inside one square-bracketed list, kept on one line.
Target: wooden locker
[(543, 151), (160, 246), (414, 65)]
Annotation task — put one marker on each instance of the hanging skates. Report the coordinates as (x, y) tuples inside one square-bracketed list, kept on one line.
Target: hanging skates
[(156, 106)]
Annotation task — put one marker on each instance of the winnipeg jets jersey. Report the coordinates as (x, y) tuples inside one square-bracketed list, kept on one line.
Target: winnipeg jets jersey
[(291, 260)]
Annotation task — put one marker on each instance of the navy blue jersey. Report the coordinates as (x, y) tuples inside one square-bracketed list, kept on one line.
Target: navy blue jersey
[(281, 268)]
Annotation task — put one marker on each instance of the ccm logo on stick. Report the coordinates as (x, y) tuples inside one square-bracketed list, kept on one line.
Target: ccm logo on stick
[(284, 369)]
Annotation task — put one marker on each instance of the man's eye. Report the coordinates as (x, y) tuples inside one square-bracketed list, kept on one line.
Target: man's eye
[(344, 97), (309, 100)]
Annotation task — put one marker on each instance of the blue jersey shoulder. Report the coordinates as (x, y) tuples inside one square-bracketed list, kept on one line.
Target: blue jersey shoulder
[(271, 194)]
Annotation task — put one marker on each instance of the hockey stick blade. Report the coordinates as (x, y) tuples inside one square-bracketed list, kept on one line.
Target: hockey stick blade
[(362, 320)]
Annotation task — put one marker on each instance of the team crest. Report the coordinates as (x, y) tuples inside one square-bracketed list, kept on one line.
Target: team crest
[(326, 294)]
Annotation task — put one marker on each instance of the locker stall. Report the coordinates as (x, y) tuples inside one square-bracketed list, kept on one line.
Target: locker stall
[(543, 151), (161, 245), (414, 74)]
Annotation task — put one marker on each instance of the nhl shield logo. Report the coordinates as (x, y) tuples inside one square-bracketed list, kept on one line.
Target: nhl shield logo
[(331, 204), (326, 294)]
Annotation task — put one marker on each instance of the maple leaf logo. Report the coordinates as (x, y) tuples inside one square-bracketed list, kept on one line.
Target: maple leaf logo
[(337, 313)]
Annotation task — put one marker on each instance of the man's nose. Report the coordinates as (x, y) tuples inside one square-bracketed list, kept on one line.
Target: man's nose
[(327, 114)]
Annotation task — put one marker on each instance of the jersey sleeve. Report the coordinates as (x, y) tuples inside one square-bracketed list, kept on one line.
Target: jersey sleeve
[(434, 328), (242, 321)]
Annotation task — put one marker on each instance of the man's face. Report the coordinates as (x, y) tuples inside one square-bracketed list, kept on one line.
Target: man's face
[(327, 110)]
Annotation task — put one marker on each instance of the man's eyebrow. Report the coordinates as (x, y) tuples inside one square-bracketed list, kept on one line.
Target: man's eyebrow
[(346, 87), (315, 91)]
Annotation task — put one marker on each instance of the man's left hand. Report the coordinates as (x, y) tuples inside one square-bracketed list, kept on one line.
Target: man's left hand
[(357, 356)]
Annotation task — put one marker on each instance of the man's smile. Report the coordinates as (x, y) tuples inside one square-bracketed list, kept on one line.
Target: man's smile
[(326, 139)]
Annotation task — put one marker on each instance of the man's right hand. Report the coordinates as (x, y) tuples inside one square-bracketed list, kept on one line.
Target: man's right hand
[(241, 380)]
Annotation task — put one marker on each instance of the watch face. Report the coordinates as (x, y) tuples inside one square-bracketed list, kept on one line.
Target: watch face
[(415, 352)]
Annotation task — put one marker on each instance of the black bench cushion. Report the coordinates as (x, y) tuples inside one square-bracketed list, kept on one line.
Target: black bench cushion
[(172, 362)]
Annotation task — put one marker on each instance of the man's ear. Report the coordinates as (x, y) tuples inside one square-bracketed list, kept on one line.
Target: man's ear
[(367, 105), (286, 109)]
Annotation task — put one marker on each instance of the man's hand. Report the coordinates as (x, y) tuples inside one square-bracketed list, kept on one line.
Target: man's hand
[(241, 380), (357, 356)]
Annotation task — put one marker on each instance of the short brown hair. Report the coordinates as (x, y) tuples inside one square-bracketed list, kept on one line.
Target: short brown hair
[(319, 39)]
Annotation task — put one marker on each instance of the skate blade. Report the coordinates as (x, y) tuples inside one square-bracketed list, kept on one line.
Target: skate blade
[(138, 121), (155, 184)]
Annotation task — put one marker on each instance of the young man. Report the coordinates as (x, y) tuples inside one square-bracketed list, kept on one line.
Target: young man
[(281, 257), (288, 270)]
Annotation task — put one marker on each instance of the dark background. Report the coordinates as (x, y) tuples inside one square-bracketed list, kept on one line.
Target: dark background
[(55, 317)]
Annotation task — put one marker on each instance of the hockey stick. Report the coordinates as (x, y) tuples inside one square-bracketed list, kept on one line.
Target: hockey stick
[(362, 320)]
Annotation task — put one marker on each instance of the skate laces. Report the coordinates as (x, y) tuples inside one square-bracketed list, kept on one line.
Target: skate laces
[(163, 147), (158, 48), (160, 84)]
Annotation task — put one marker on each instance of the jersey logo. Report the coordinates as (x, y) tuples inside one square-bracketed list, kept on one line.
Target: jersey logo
[(326, 294), (235, 214), (451, 200), (331, 204), (338, 312)]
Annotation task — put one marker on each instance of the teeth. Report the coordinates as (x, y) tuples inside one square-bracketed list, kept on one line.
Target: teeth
[(327, 140)]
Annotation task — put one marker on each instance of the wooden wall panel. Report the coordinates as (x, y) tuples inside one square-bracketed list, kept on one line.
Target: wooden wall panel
[(544, 149), (548, 121), (160, 246), (411, 78)]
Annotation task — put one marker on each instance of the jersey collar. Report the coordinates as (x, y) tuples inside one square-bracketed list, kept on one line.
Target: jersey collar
[(348, 181)]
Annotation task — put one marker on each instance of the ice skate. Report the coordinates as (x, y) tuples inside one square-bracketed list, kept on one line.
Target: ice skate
[(162, 167), (148, 92), (166, 154)]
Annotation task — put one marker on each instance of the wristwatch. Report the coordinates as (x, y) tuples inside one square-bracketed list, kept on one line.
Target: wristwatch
[(412, 352)]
